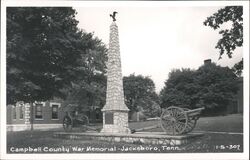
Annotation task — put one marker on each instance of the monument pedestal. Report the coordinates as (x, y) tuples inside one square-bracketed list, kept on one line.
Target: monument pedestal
[(115, 122)]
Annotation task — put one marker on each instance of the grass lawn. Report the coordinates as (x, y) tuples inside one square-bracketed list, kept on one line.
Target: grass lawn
[(212, 141), (230, 123)]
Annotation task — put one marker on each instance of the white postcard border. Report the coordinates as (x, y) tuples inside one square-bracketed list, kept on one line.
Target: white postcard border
[(193, 156)]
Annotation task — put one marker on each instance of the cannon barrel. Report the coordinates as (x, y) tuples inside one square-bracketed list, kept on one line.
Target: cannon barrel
[(176, 120), (196, 111)]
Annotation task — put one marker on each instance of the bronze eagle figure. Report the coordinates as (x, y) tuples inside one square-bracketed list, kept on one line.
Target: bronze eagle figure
[(113, 15)]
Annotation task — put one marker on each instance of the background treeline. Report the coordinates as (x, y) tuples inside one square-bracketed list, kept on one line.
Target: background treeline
[(211, 86)]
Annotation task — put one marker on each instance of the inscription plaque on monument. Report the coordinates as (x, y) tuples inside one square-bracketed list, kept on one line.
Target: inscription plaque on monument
[(109, 118)]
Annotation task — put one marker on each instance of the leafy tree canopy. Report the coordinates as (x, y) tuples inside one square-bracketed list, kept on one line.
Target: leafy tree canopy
[(178, 88), (140, 94), (233, 37), (237, 68), (47, 54), (211, 86)]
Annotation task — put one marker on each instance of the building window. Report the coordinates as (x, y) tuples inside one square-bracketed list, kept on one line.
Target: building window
[(21, 110), (54, 111), (14, 112), (39, 111)]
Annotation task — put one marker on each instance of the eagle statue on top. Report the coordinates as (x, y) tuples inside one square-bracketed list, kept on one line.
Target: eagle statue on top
[(113, 15)]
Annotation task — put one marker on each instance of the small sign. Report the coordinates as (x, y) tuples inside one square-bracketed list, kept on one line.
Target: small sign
[(109, 118)]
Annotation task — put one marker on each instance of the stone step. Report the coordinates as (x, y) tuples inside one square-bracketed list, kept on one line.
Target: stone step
[(137, 138)]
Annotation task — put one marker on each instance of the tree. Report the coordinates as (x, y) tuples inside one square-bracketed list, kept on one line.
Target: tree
[(238, 67), (211, 86), (180, 89), (231, 38), (90, 87), (140, 94), (47, 54), (218, 86)]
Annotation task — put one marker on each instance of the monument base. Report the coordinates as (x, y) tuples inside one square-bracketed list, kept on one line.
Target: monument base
[(115, 122), (115, 129), (159, 138)]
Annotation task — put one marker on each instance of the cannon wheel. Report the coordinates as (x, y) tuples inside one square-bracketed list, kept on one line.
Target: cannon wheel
[(84, 122), (67, 123), (174, 120), (191, 123)]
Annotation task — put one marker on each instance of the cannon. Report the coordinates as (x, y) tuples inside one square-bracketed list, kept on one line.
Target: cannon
[(176, 121), (73, 119)]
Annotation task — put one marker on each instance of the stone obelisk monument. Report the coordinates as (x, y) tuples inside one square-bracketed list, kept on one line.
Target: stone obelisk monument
[(115, 112)]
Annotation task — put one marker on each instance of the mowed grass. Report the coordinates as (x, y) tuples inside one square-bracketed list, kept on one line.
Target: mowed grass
[(210, 142)]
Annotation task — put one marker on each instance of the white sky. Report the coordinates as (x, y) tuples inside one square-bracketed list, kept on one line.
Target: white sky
[(155, 40)]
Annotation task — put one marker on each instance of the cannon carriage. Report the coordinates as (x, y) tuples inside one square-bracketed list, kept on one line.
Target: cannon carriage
[(176, 121), (74, 118)]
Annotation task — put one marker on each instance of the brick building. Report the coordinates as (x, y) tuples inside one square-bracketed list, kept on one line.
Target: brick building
[(46, 115)]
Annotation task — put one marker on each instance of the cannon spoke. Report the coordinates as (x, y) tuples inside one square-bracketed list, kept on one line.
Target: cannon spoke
[(178, 127), (181, 117), (175, 112), (173, 130), (190, 125), (166, 117), (182, 125), (167, 123)]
